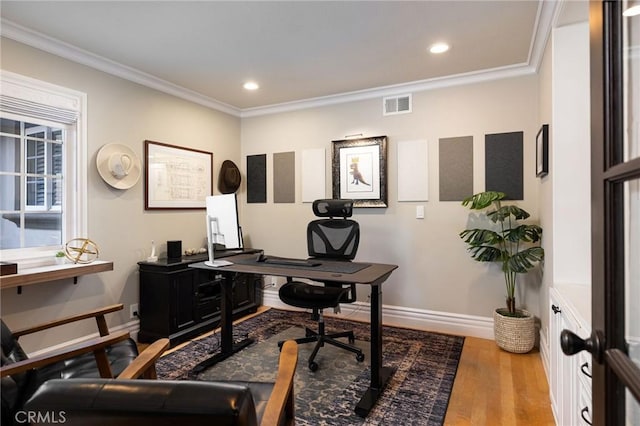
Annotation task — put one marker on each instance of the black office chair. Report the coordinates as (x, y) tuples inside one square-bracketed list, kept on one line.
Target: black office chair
[(332, 239)]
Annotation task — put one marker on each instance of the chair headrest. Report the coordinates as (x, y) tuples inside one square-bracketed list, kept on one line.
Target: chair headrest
[(333, 208)]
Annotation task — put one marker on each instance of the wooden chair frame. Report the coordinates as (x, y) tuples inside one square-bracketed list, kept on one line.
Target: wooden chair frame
[(143, 366), (280, 408)]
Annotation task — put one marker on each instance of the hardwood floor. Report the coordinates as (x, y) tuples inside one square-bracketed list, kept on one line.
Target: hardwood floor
[(494, 387)]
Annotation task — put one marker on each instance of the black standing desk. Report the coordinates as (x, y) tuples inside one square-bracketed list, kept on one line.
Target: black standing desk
[(374, 275)]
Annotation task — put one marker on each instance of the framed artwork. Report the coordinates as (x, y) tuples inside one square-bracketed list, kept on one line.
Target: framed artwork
[(176, 177), (542, 151), (359, 171)]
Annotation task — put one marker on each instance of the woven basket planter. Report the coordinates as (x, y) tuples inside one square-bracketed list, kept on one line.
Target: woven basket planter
[(514, 334)]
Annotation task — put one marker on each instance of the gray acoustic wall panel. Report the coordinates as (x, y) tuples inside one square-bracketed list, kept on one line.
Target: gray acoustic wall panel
[(456, 168), (503, 164), (284, 177), (257, 178)]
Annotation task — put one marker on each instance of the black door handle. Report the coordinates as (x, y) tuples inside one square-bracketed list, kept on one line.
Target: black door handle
[(572, 344), (555, 309), (583, 414)]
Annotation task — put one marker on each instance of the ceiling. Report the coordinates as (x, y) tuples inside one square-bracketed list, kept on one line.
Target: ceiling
[(297, 51)]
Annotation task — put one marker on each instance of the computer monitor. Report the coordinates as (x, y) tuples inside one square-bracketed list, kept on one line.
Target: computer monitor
[(223, 228)]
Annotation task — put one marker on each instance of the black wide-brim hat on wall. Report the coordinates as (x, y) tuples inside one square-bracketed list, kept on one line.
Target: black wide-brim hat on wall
[(229, 180)]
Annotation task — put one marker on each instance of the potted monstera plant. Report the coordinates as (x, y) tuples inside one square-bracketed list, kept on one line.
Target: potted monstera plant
[(516, 247)]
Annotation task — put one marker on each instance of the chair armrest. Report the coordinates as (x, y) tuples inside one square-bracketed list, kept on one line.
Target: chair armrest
[(97, 346), (98, 314), (145, 364), (280, 406)]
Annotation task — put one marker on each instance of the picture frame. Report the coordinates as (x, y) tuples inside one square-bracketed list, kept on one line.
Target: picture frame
[(176, 177), (359, 170), (542, 151)]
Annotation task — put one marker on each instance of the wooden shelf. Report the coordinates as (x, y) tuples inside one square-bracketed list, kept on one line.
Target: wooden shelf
[(52, 273)]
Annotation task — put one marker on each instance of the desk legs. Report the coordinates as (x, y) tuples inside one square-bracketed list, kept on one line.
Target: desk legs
[(227, 348), (379, 375)]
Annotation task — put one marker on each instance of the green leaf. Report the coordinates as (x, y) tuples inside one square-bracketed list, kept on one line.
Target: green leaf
[(482, 200), (485, 253), (504, 212), (476, 237), (524, 260), (526, 233)]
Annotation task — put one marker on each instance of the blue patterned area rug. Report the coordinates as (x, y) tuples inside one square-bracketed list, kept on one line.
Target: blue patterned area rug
[(417, 394)]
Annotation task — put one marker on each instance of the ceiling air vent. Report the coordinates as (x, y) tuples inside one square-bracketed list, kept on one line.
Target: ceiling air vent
[(392, 105)]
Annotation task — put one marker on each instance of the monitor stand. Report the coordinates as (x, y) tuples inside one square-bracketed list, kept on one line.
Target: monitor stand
[(217, 263)]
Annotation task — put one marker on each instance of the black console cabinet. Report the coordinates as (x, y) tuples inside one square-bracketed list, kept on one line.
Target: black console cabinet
[(179, 302)]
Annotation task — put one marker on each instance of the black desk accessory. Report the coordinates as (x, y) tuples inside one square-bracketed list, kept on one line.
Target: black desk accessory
[(286, 261)]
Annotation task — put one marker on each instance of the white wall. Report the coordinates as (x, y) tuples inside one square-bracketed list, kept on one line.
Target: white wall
[(571, 152), (545, 199), (435, 272), (127, 113)]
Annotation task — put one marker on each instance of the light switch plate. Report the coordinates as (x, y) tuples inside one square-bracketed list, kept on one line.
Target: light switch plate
[(419, 212)]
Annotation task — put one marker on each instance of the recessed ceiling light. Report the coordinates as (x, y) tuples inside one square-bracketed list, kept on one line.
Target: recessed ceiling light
[(632, 11), (439, 48), (251, 85)]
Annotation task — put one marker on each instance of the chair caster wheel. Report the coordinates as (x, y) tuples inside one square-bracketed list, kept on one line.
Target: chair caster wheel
[(313, 366), (360, 357)]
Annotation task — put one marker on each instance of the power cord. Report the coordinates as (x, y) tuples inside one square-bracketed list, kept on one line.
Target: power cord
[(358, 308)]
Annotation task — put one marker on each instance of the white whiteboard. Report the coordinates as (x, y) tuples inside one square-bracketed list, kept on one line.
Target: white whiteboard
[(224, 208)]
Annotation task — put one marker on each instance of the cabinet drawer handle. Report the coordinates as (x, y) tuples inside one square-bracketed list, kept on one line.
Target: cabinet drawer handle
[(583, 413), (584, 370), (555, 309)]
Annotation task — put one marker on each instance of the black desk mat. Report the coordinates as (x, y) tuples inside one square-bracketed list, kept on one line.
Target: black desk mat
[(324, 265)]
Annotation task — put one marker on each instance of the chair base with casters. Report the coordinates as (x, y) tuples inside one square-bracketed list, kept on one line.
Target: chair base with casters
[(308, 296)]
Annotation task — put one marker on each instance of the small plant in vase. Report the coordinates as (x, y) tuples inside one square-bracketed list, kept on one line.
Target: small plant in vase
[(60, 257), (512, 244)]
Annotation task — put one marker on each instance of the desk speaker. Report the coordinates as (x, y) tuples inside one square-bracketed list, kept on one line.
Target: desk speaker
[(174, 249)]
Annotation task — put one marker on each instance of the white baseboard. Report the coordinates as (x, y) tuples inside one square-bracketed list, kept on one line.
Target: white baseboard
[(442, 322), (439, 322)]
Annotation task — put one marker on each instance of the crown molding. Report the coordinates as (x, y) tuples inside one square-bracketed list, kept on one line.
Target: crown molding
[(394, 90), (547, 12), (56, 47)]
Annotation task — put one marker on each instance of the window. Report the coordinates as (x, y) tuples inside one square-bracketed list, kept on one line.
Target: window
[(32, 184), (42, 168)]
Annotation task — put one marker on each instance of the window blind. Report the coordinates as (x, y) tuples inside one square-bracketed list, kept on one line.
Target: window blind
[(33, 98), (29, 108)]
